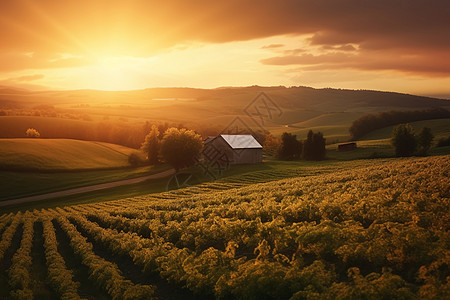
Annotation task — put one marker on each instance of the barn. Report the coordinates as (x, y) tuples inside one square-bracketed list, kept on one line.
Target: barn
[(347, 147), (237, 148)]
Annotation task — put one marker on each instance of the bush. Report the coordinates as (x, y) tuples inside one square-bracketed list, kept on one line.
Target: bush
[(136, 159), (32, 133)]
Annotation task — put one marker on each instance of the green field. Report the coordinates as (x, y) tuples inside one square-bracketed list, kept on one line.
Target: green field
[(60, 155), (24, 184), (30, 167), (344, 230)]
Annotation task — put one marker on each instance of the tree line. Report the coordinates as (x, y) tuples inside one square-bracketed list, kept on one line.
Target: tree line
[(312, 148), (371, 122)]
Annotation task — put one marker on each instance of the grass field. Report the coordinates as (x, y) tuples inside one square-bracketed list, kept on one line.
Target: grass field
[(341, 230), (60, 155), (23, 184), (31, 167)]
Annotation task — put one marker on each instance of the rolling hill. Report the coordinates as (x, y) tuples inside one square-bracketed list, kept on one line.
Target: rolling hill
[(119, 117), (298, 104), (60, 155)]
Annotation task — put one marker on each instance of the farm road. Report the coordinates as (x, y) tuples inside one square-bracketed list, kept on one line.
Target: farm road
[(87, 188)]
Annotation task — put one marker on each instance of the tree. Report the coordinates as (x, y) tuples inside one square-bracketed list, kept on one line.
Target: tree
[(308, 146), (404, 140), (151, 144), (179, 147), (32, 133), (424, 140), (314, 146), (271, 144), (290, 147), (318, 142)]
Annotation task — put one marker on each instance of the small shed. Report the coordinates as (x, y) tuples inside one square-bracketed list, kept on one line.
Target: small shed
[(238, 148), (347, 147)]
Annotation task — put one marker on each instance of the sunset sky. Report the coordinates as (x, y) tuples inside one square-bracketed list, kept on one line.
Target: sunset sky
[(401, 46)]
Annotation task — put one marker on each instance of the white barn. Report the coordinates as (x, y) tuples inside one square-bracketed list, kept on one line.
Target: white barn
[(238, 148)]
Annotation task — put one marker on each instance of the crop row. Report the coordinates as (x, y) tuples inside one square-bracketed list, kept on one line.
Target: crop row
[(106, 274), (380, 231)]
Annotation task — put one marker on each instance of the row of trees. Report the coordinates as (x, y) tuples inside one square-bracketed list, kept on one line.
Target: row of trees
[(313, 148), (177, 147), (371, 122), (406, 142)]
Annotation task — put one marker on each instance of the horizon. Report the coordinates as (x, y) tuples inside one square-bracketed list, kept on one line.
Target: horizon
[(123, 46), (435, 96)]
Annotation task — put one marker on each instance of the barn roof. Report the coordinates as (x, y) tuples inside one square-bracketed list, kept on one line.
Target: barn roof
[(241, 141)]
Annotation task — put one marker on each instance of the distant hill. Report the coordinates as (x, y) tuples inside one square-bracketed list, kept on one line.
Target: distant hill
[(301, 107)]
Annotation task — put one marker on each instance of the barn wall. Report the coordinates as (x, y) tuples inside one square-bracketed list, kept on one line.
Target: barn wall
[(238, 156), (223, 146), (247, 156)]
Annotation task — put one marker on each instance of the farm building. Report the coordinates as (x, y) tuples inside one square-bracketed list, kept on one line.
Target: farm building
[(238, 149), (347, 147)]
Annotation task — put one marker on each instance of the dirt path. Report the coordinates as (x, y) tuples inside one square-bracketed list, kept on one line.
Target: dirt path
[(87, 188)]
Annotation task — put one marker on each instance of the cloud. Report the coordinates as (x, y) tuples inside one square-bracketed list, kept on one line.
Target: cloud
[(347, 47), (28, 78), (139, 28), (272, 46), (25, 82), (428, 64), (308, 59), (32, 61)]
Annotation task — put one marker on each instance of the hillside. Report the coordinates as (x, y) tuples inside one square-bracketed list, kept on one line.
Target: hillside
[(213, 109), (60, 155), (440, 129), (379, 231)]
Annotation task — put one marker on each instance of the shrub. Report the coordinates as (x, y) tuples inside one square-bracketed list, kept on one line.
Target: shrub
[(32, 133), (136, 158)]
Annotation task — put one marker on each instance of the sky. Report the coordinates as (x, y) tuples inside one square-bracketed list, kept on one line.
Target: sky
[(389, 45)]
